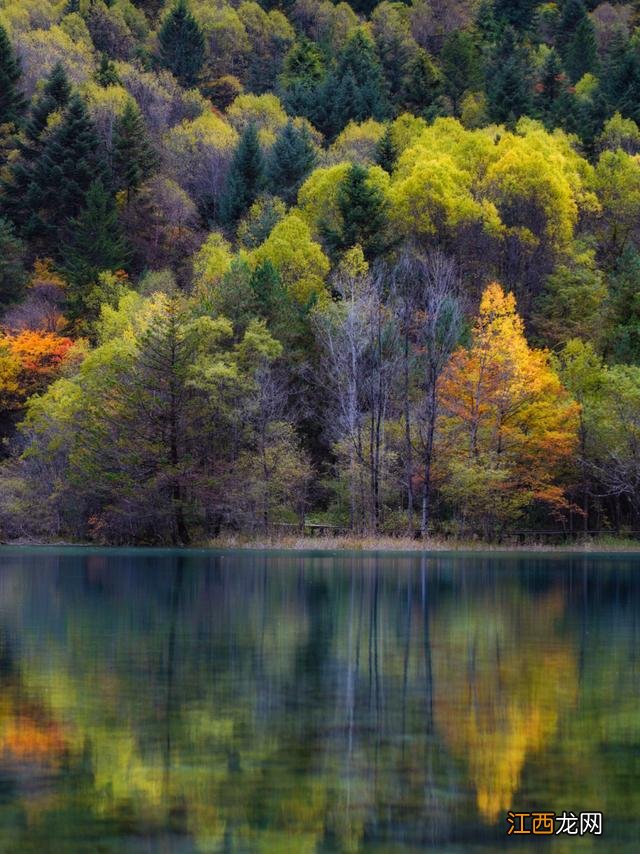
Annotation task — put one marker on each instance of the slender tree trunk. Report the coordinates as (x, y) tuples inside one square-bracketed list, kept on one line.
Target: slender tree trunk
[(428, 455), (407, 436)]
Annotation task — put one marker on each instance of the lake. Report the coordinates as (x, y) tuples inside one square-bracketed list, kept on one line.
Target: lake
[(205, 701)]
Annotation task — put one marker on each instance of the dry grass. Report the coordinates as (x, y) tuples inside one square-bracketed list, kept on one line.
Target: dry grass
[(404, 544)]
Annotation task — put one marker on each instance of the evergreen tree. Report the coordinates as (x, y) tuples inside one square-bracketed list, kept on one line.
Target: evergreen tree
[(358, 90), (96, 245), (573, 12), (246, 178), (134, 158), (421, 85), (292, 158), (515, 13), (363, 211), (580, 51), (12, 102), (182, 45), (550, 87), (70, 161), (55, 96), (16, 185), (106, 75), (620, 80), (12, 274), (461, 67), (386, 151), (508, 93)]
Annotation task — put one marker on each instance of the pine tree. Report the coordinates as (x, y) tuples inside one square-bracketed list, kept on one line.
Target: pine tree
[(12, 102), (70, 161), (134, 158), (620, 80), (550, 87), (580, 51), (363, 211), (292, 158), (421, 85), (461, 66), (96, 244), (508, 93), (106, 75), (515, 13), (246, 178), (358, 89), (386, 151), (182, 44), (12, 274), (54, 97)]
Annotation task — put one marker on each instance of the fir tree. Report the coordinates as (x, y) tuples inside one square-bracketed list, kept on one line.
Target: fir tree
[(182, 45), (12, 102), (421, 85), (461, 68), (580, 51), (70, 161), (246, 178), (515, 13), (363, 211), (358, 90), (12, 274), (96, 244), (550, 86), (508, 92), (15, 187), (106, 75), (292, 158), (134, 158), (620, 80), (386, 151), (55, 96)]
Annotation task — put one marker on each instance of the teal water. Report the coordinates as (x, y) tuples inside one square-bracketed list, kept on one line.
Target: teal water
[(198, 701)]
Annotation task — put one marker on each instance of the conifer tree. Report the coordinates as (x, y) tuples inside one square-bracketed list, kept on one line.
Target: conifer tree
[(12, 252), (106, 75), (96, 244), (550, 86), (246, 178), (134, 158), (363, 211), (580, 52), (358, 89), (422, 83), (70, 161), (508, 92), (16, 185), (12, 102), (386, 151), (292, 158), (620, 79), (182, 45)]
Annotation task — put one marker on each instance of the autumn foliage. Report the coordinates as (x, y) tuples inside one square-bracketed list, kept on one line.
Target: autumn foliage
[(507, 424)]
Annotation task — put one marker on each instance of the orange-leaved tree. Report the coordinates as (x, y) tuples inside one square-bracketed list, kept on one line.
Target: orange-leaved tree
[(508, 426), (29, 361)]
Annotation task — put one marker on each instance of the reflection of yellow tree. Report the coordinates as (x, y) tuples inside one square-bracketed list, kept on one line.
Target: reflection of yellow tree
[(502, 677)]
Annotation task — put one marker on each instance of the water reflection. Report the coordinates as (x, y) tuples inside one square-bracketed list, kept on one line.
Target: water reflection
[(163, 701)]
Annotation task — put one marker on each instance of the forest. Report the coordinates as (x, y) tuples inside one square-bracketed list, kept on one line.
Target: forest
[(373, 266)]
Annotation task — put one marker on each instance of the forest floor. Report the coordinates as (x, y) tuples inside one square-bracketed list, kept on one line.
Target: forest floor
[(406, 544)]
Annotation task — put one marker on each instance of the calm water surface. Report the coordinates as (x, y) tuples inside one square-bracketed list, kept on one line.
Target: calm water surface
[(165, 701)]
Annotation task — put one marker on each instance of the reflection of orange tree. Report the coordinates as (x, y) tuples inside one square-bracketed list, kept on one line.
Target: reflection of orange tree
[(28, 733), (503, 675)]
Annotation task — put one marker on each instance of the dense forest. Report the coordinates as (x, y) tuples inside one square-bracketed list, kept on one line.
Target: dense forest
[(375, 266)]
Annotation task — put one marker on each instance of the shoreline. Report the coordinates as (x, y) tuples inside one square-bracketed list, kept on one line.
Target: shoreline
[(352, 544)]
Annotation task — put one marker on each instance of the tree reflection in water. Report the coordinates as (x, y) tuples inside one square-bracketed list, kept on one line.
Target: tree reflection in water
[(196, 701)]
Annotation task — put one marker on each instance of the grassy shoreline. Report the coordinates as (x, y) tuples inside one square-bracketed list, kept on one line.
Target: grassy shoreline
[(347, 543), (406, 544)]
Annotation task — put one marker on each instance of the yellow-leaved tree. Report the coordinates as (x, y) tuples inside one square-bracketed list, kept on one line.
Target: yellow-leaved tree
[(507, 426)]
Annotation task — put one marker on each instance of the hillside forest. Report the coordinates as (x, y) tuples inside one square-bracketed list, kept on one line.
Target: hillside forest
[(375, 266)]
